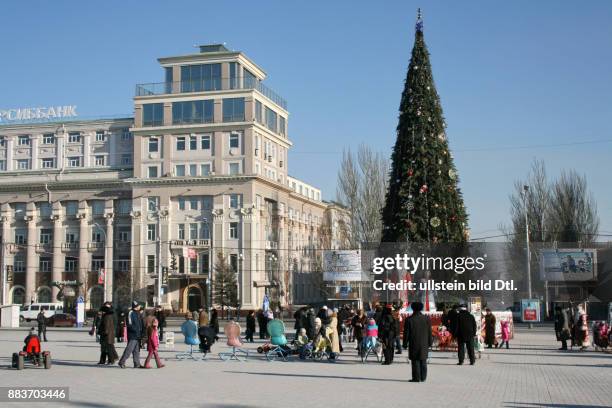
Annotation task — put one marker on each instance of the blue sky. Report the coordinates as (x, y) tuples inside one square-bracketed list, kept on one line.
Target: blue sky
[(509, 74)]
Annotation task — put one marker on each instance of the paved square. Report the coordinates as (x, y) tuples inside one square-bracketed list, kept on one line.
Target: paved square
[(532, 373)]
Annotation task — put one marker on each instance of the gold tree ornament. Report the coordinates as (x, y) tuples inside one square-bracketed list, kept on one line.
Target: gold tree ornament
[(434, 222)]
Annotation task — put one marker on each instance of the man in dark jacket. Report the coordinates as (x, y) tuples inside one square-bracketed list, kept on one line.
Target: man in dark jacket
[(161, 321), (387, 332), (42, 325), (451, 320), (310, 324), (135, 328), (418, 339), (298, 321), (466, 331), (107, 336), (562, 328)]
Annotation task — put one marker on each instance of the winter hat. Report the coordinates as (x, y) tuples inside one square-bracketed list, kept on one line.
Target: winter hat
[(135, 304)]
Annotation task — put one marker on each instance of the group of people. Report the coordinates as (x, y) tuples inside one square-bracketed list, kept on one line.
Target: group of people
[(572, 324), (135, 327)]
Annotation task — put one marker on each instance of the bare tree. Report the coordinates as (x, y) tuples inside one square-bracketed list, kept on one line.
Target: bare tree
[(362, 183)]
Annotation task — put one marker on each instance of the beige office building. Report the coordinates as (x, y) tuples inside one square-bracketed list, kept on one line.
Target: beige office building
[(200, 169)]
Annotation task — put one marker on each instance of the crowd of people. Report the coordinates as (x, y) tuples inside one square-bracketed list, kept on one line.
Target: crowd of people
[(571, 325)]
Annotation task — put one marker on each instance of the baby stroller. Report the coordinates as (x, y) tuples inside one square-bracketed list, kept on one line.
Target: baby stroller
[(207, 339), (278, 341), (370, 344), (601, 340), (322, 346)]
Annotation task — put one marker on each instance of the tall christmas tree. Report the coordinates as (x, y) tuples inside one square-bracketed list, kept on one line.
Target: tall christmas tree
[(423, 202)]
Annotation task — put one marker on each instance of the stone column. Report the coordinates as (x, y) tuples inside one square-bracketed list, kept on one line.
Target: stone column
[(108, 259), (6, 230), (58, 258), (31, 258), (84, 237), (136, 264)]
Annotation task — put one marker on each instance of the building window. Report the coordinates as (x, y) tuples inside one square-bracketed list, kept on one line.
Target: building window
[(100, 160), (123, 265), (126, 134), (258, 113), (193, 170), (44, 265), (233, 230), (205, 231), (204, 261), (179, 170), (193, 143), (205, 142), (180, 143), (207, 203), (48, 139), (181, 231), (20, 237), (152, 114), (234, 169), (70, 264), (97, 235), (233, 79), (153, 145), (234, 201), (193, 203), (2, 141), (150, 264), (48, 163), (271, 119), (19, 265), (152, 204), (71, 207), (2, 165), (97, 207), (184, 113), (281, 125), (97, 263), (233, 110), (205, 169), (126, 158), (100, 136), (193, 230), (45, 236), (201, 77), (125, 235), (181, 204), (74, 162), (124, 206), (23, 140), (152, 171), (152, 232), (234, 141), (44, 209), (74, 137), (23, 164)]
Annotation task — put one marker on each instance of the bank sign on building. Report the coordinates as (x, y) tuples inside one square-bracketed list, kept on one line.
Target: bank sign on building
[(51, 113)]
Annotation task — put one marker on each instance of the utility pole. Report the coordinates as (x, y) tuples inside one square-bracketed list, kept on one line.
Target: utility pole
[(158, 256), (525, 192), (4, 277)]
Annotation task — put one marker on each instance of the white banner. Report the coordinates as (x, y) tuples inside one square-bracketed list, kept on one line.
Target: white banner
[(342, 265)]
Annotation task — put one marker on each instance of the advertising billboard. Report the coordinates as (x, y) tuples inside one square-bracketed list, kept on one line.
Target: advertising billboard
[(530, 310), (568, 264), (342, 265)]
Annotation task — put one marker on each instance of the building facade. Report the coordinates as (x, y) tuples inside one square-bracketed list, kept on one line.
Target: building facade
[(199, 170)]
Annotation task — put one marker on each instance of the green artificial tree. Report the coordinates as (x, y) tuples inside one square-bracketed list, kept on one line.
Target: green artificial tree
[(423, 202), (225, 286)]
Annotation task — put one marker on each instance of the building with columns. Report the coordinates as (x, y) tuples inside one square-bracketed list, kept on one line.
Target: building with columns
[(200, 169)]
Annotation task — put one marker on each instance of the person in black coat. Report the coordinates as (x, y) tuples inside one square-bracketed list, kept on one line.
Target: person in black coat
[(451, 320), (298, 321), (418, 339), (466, 331), (42, 325), (387, 332), (250, 327), (261, 321), (214, 321), (160, 315), (310, 324)]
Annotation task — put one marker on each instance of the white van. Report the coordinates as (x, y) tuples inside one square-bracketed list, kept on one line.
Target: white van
[(29, 312)]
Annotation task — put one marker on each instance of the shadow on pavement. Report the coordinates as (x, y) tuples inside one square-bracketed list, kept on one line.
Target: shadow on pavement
[(560, 365), (319, 376), (537, 405)]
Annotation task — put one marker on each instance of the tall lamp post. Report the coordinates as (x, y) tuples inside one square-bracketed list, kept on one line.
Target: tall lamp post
[(529, 294), (105, 266)]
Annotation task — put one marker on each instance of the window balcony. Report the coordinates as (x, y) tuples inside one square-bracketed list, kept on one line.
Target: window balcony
[(209, 85), (41, 248), (95, 246), (192, 243), (271, 245), (69, 246)]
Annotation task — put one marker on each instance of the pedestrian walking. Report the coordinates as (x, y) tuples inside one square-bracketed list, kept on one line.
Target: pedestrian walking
[(466, 331), (261, 322), (42, 325), (108, 354), (387, 332), (397, 318), (202, 318), (135, 334), (214, 322), (153, 345), (418, 339), (310, 324), (160, 315), (505, 334), (490, 322), (250, 327), (358, 322), (562, 328)]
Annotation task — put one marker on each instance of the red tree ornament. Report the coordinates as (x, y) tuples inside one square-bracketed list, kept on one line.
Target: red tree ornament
[(423, 189)]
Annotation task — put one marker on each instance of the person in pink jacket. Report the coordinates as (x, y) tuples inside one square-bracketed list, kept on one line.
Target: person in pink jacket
[(505, 334), (153, 345)]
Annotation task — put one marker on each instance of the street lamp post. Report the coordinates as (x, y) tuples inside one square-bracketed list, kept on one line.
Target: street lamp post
[(105, 250), (529, 294)]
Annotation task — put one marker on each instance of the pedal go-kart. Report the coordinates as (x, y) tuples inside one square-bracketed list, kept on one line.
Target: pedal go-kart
[(32, 355)]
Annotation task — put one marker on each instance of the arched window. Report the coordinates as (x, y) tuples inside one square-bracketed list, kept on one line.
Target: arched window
[(43, 295), (18, 296)]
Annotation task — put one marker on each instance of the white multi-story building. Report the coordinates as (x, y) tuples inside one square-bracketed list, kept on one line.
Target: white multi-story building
[(200, 169)]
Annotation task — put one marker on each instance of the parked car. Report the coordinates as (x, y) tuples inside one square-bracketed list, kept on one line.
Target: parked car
[(62, 320), (30, 312)]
